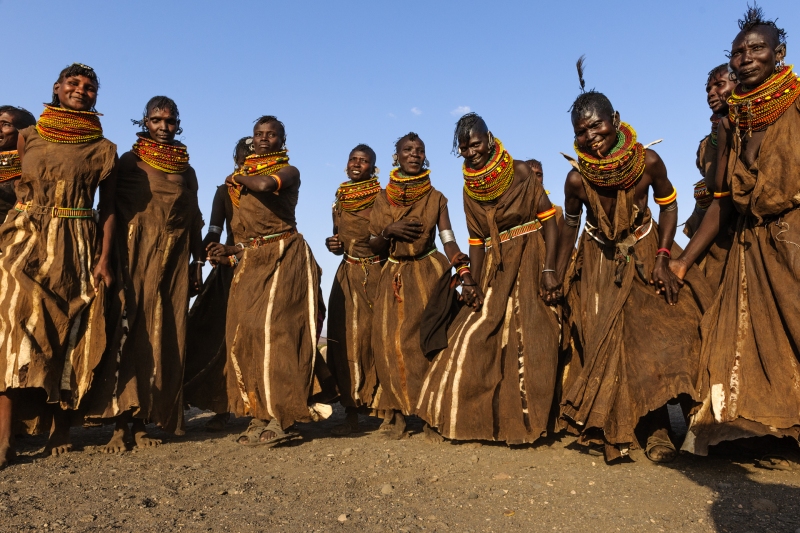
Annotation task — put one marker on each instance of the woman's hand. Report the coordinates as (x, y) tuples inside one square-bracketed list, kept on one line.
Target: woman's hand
[(470, 292), (665, 280), (218, 253), (406, 230), (334, 245), (195, 278), (102, 272), (550, 288)]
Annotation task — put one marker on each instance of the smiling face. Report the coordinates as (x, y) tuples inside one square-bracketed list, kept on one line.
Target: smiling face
[(754, 54), (411, 157), (595, 131), (267, 138), (78, 93), (718, 90), (360, 166), (475, 149), (8, 133), (162, 125)]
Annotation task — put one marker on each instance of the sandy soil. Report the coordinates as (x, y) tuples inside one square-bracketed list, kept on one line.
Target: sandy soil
[(206, 482)]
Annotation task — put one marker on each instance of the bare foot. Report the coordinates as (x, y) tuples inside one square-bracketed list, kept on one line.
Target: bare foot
[(119, 440), (388, 422), (7, 454), (431, 435), (140, 436), (659, 448), (59, 442), (398, 429)]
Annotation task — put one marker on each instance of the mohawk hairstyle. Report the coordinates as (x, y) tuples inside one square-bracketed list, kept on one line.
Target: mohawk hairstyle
[(754, 17), (466, 125), (75, 69), (410, 136), (716, 70), (590, 100), (163, 103), (266, 119), (20, 117), (241, 151), (367, 150)]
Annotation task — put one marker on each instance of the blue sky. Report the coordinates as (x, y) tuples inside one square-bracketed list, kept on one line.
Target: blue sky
[(341, 73)]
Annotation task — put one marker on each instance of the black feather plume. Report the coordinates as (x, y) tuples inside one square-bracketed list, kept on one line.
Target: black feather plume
[(579, 66)]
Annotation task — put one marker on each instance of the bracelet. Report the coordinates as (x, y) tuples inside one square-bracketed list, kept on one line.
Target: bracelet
[(664, 251), (546, 215), (447, 235), (197, 261), (548, 270), (277, 181), (215, 229), (233, 260), (384, 237), (667, 199), (722, 194)]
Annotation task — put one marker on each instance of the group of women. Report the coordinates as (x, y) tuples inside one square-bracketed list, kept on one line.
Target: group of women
[(523, 335)]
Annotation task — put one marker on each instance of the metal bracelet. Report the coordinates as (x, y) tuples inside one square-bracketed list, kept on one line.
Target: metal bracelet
[(573, 220), (671, 207), (447, 235), (215, 229)]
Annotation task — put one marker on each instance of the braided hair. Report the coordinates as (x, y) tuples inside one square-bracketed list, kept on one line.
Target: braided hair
[(75, 69), (242, 150), (466, 125), (754, 17), (590, 100), (164, 103), (20, 117)]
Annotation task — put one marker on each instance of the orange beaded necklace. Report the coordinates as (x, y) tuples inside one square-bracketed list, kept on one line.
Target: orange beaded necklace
[(354, 196), (757, 109), (403, 191), (263, 165), (621, 168), (169, 158), (491, 181), (67, 126), (10, 165)]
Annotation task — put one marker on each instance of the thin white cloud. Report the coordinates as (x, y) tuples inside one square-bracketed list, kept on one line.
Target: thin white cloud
[(460, 110), (391, 115), (417, 111)]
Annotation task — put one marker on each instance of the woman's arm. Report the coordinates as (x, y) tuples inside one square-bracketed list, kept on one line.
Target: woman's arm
[(472, 294), (108, 188), (287, 178)]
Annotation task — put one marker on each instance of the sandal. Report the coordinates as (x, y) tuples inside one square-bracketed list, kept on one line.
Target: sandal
[(657, 442), (253, 433), (775, 462)]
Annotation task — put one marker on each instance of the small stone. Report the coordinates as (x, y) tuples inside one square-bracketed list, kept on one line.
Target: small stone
[(434, 479), (508, 512), (501, 475), (431, 518), (573, 492), (473, 459), (387, 489), (472, 496), (762, 504), (342, 518), (709, 501), (346, 452), (88, 518)]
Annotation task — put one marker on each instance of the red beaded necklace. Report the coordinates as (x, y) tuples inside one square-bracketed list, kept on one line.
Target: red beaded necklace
[(354, 196), (760, 108), (263, 165), (491, 181), (67, 126), (10, 165), (169, 158)]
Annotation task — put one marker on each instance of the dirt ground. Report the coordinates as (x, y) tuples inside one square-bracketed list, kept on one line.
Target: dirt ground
[(206, 482)]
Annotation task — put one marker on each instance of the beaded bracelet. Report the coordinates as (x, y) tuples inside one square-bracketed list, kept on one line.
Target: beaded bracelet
[(475, 242), (277, 181), (546, 215), (722, 194), (233, 260), (664, 251), (667, 199)]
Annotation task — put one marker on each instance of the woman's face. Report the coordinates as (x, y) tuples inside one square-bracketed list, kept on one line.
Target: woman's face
[(360, 166), (411, 157), (8, 133), (267, 138), (595, 132), (78, 93), (162, 125)]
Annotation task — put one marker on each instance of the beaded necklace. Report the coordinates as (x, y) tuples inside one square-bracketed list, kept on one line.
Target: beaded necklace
[(491, 181), (10, 165), (714, 128), (354, 196), (235, 193), (621, 168), (701, 195), (263, 165), (67, 126), (169, 158), (403, 191), (757, 109)]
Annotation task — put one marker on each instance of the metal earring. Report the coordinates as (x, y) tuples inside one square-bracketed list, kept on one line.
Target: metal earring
[(395, 162), (426, 163), (491, 140)]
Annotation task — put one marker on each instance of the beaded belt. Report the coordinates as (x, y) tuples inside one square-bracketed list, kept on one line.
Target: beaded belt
[(371, 260), (640, 233), (56, 212), (516, 231), (256, 242), (415, 258)]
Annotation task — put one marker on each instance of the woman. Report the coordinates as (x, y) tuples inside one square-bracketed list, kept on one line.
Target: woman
[(274, 299), (497, 376), (204, 377), (159, 220), (403, 226), (12, 120), (56, 258), (353, 292)]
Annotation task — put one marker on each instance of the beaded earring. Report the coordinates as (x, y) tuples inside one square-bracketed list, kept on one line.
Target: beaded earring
[(375, 172), (491, 140), (779, 65), (395, 162), (426, 163)]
